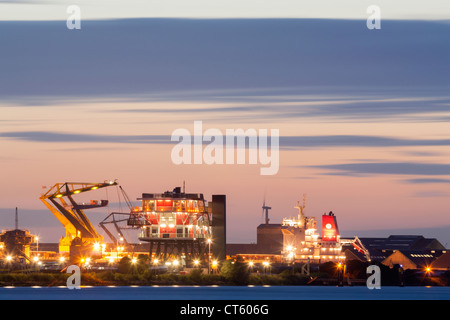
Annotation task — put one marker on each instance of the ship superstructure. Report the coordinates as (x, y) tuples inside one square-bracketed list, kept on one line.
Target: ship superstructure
[(302, 242)]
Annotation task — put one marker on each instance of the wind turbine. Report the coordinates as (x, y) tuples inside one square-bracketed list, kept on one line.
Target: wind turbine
[(265, 210)]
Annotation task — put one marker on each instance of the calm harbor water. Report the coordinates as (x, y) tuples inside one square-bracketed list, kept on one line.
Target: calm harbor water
[(225, 293)]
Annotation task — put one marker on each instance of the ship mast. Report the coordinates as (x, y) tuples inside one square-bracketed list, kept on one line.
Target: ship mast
[(301, 216)]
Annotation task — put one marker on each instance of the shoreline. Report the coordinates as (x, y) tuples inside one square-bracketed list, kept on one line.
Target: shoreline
[(123, 280)]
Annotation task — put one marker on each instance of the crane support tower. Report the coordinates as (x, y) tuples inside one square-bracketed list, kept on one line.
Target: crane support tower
[(80, 236)]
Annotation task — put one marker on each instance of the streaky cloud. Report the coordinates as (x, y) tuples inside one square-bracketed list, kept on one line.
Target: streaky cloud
[(286, 142), (45, 136), (355, 141), (143, 56), (427, 181), (387, 168), (350, 108)]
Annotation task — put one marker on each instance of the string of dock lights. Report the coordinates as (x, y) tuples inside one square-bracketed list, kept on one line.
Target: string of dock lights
[(106, 183), (34, 260), (266, 265)]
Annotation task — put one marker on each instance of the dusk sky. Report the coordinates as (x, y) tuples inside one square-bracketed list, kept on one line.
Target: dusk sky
[(363, 114)]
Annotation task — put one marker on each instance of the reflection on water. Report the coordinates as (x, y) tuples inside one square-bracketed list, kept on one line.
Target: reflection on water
[(224, 293)]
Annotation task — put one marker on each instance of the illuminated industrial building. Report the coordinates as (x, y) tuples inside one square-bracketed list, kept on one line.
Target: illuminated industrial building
[(187, 230), (15, 245), (173, 215), (177, 225), (295, 240), (181, 225), (379, 249)]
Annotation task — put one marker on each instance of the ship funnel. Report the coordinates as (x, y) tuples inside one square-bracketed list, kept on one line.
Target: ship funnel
[(177, 190)]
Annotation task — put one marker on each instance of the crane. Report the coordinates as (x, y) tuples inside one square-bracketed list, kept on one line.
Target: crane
[(111, 219), (358, 245), (59, 199)]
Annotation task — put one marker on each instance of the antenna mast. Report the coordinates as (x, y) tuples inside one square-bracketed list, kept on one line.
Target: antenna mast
[(17, 220), (301, 208)]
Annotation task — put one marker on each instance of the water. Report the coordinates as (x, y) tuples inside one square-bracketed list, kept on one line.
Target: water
[(225, 293)]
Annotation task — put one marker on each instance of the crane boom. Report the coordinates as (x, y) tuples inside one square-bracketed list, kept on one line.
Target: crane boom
[(127, 200), (72, 217), (116, 226)]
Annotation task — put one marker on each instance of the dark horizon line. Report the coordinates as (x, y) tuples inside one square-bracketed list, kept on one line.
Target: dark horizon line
[(231, 18)]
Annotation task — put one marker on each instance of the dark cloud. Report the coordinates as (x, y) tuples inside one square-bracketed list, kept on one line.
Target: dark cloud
[(286, 142), (189, 110), (380, 109), (387, 168), (257, 64), (292, 142), (91, 149), (427, 181), (421, 153), (151, 56), (45, 136)]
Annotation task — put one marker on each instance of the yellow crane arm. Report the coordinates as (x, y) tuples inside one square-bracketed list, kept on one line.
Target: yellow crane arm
[(72, 218)]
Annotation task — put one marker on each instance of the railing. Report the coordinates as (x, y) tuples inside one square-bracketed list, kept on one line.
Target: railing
[(146, 234)]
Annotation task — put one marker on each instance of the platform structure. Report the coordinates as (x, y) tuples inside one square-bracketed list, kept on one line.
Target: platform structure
[(179, 226)]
